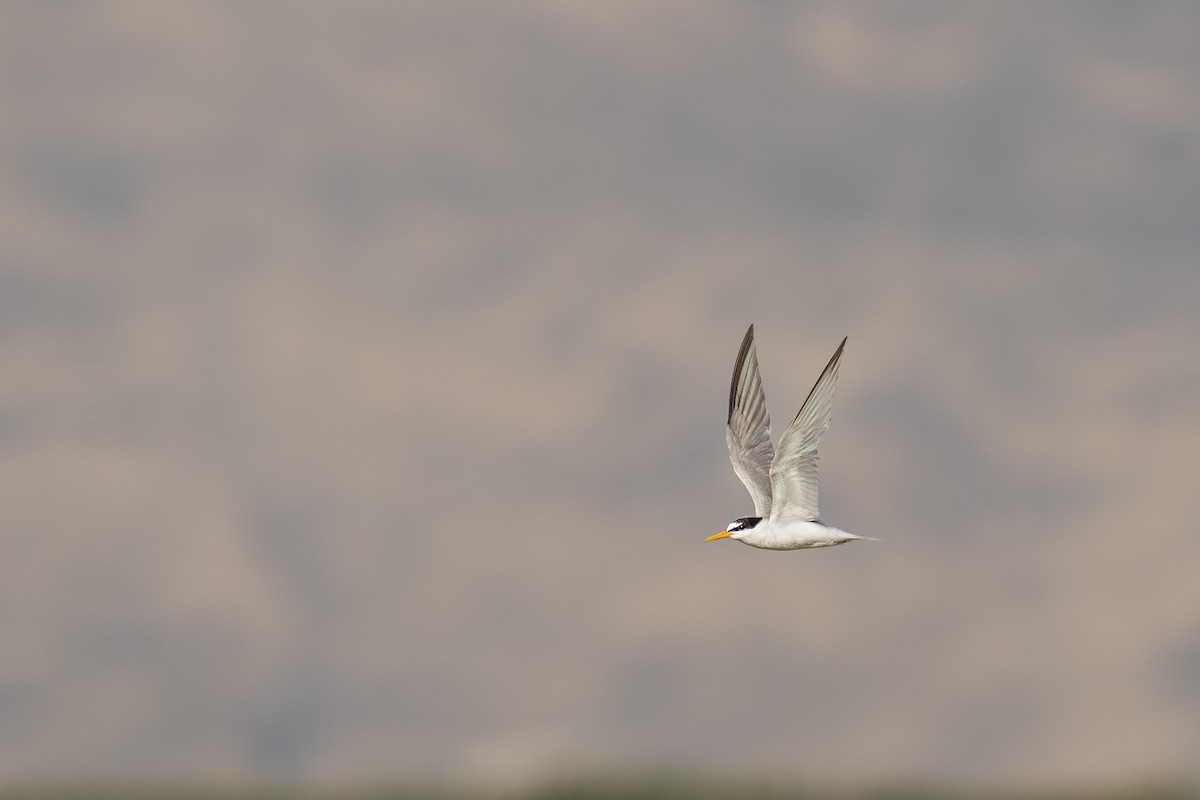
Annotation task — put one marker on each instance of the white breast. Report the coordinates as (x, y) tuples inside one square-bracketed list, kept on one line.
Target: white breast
[(794, 535)]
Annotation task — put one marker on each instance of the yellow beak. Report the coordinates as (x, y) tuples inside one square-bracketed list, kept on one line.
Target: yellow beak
[(715, 536)]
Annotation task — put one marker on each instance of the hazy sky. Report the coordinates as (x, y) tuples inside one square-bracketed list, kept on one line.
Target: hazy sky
[(366, 369)]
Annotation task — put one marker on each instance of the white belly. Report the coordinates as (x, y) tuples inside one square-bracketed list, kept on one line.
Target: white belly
[(795, 536)]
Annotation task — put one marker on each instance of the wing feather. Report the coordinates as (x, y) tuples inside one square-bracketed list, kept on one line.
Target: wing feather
[(748, 429), (793, 473)]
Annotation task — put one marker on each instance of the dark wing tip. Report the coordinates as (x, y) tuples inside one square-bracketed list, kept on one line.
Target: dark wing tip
[(747, 343), (832, 360)]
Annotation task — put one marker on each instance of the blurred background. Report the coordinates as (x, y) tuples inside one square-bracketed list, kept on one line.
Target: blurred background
[(365, 372)]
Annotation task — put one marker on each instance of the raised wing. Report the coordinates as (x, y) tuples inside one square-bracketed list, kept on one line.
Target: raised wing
[(748, 429), (794, 470)]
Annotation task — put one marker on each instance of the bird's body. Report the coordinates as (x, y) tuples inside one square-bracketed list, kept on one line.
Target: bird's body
[(783, 482), (794, 535)]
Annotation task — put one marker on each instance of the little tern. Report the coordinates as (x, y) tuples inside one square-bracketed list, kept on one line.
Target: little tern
[(782, 483)]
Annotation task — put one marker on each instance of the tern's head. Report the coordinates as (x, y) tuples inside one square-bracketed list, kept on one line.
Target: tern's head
[(736, 529)]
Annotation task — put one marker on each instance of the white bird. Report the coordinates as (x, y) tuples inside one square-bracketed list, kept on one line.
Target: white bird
[(783, 482)]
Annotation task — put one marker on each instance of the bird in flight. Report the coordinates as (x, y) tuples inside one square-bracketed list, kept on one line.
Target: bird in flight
[(783, 482)]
